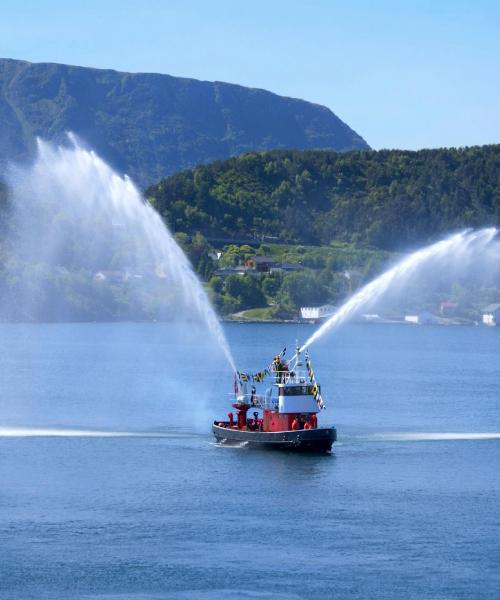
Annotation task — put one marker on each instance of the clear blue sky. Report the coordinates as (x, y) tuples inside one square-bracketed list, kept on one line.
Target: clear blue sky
[(404, 74)]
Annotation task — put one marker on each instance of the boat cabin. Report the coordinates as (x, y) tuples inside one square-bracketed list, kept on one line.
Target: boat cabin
[(283, 417), (290, 403), (295, 403)]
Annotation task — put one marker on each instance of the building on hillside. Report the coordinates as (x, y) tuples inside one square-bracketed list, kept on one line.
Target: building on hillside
[(370, 318), (316, 313), (353, 274), (215, 256), (239, 270), (111, 276), (290, 267), (286, 267), (448, 309), (262, 264), (422, 318), (491, 314)]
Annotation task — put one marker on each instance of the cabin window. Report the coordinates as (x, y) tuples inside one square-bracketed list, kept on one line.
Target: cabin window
[(296, 390)]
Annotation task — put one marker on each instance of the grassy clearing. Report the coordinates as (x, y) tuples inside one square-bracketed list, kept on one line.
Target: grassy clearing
[(257, 314)]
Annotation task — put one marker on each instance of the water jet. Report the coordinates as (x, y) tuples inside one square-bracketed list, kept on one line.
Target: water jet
[(73, 215), (452, 252)]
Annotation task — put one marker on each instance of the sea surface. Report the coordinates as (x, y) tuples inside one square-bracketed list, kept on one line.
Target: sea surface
[(111, 486)]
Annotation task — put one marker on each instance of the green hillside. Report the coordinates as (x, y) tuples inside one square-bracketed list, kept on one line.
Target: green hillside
[(325, 222), (150, 125), (389, 199)]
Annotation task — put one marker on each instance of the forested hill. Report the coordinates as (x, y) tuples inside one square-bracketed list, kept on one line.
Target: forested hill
[(389, 198), (150, 125)]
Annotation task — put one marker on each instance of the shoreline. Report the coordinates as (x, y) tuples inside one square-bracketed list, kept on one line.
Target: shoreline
[(354, 321), (240, 320)]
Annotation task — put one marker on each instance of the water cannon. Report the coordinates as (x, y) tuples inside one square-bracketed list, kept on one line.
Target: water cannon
[(298, 362)]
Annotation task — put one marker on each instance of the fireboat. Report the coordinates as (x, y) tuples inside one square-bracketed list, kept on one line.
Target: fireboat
[(284, 417)]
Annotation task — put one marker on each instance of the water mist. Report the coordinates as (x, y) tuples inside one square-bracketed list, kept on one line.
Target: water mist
[(453, 254), (73, 213)]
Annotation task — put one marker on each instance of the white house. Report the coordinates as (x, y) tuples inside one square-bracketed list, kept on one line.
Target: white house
[(491, 314), (422, 318), (314, 313), (370, 318), (111, 276)]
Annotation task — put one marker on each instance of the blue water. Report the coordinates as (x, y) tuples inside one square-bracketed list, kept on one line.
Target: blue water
[(168, 514)]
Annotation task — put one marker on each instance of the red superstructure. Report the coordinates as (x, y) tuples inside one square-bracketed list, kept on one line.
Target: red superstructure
[(284, 416), (289, 404)]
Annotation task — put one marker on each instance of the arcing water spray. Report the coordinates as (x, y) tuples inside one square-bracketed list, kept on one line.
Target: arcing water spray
[(459, 247)]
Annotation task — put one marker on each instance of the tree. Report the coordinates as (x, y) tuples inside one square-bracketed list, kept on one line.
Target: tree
[(303, 289), (183, 241), (216, 284), (199, 245), (388, 199), (246, 289), (271, 284)]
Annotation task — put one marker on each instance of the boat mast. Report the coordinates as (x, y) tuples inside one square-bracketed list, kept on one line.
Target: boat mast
[(295, 360)]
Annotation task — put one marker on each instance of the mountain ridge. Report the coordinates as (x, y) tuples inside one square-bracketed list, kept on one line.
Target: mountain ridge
[(151, 125)]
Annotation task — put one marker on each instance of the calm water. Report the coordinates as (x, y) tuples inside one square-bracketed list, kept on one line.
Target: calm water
[(388, 515)]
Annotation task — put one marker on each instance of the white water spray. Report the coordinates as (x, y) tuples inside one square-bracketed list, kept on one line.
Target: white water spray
[(72, 208), (429, 436), (57, 432), (457, 249)]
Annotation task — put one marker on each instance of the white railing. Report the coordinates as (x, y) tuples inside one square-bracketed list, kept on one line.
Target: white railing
[(297, 377), (255, 400), (291, 376)]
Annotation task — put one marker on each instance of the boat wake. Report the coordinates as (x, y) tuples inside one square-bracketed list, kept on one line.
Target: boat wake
[(231, 446), (420, 436), (82, 433), (414, 436)]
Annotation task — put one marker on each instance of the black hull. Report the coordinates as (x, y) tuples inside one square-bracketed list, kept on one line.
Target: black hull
[(304, 440)]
